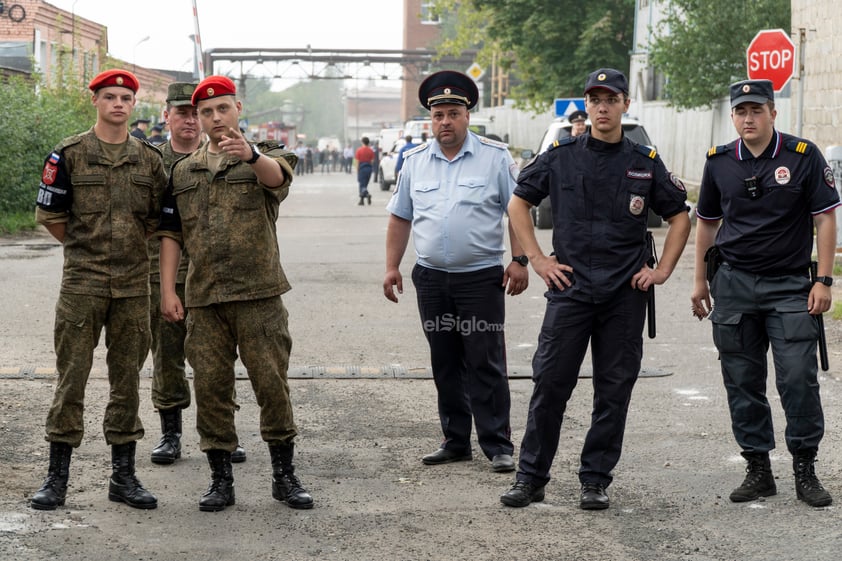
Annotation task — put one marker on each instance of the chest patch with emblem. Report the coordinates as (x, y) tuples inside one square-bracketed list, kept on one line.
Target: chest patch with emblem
[(636, 204), (782, 175)]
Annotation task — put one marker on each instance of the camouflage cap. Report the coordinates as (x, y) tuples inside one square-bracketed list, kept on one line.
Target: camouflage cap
[(180, 93)]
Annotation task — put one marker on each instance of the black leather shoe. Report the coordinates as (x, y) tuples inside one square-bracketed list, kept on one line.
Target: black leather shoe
[(522, 493), (445, 456), (593, 497), (502, 463)]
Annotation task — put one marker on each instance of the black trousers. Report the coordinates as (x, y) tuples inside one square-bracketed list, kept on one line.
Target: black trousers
[(614, 329), (752, 313), (463, 315)]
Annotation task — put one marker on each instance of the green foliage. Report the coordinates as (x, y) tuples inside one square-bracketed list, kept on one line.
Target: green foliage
[(35, 120), (700, 46), (549, 46)]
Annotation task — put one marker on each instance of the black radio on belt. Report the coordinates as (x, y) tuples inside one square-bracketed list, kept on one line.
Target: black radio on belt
[(752, 188)]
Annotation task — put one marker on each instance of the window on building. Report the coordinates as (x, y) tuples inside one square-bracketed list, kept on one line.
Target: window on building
[(429, 15)]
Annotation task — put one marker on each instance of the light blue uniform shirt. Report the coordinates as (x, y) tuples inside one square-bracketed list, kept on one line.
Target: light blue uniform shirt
[(456, 207)]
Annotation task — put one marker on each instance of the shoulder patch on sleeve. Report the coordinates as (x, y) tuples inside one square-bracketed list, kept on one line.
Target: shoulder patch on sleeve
[(799, 146), (717, 150), (494, 143), (563, 142), (650, 153)]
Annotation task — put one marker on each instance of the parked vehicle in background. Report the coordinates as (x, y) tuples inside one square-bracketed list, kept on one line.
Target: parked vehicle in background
[(386, 170), (560, 128), (418, 125)]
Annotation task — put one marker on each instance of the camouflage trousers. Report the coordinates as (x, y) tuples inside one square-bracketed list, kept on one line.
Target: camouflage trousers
[(80, 320), (170, 388), (258, 330)]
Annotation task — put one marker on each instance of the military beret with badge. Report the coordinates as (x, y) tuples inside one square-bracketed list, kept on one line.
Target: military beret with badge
[(114, 77), (213, 86)]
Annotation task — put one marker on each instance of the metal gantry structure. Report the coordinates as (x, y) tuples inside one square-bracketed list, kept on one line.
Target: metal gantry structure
[(331, 64)]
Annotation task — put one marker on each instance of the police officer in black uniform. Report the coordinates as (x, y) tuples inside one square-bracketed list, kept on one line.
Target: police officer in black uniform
[(601, 186), (759, 200)]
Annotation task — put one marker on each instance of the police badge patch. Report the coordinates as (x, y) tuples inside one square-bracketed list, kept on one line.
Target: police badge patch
[(828, 178), (676, 182), (636, 204)]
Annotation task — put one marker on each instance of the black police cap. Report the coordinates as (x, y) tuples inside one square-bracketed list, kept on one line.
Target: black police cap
[(448, 86), (577, 116), (752, 91), (607, 78)]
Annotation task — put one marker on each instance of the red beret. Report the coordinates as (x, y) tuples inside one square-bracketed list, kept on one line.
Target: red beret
[(115, 77), (213, 86)]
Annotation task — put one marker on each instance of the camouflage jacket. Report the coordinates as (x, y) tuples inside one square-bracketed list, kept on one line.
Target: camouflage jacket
[(226, 222), (109, 210)]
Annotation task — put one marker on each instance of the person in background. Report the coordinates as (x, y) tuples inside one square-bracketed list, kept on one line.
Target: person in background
[(601, 186), (139, 128), (170, 388), (409, 145), (222, 205), (451, 196), (364, 156), (577, 120), (157, 136), (760, 199), (100, 196)]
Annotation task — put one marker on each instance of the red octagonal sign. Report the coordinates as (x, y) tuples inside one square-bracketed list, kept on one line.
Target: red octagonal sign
[(771, 56)]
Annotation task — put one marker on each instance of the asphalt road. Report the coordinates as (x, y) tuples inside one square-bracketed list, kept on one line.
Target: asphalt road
[(366, 413)]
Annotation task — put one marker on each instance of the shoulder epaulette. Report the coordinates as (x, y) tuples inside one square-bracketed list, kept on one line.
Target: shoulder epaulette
[(562, 142), (268, 145), (650, 153), (415, 150), (716, 150), (494, 143), (69, 141), (152, 146), (799, 146)]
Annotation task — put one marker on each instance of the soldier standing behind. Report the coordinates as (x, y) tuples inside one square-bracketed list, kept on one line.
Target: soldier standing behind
[(100, 197), (221, 205), (170, 388)]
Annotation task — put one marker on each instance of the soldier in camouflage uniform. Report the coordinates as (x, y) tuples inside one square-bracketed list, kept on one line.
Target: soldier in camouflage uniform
[(170, 388), (221, 205), (100, 197)]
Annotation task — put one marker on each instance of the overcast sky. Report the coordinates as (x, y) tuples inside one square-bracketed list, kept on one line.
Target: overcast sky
[(322, 24)]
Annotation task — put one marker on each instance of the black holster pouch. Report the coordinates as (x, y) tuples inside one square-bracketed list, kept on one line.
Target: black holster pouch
[(713, 259)]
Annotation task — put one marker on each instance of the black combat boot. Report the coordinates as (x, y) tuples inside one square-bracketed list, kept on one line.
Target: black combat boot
[(54, 490), (238, 456), (362, 200), (124, 486), (808, 488), (168, 449), (285, 485), (220, 492), (759, 481)]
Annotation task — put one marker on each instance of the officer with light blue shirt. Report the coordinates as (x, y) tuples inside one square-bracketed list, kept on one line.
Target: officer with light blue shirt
[(451, 196)]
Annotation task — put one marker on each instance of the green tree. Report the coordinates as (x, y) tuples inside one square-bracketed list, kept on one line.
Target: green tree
[(35, 120), (700, 46), (549, 46)]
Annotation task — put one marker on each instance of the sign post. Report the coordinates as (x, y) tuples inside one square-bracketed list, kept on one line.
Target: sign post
[(771, 56)]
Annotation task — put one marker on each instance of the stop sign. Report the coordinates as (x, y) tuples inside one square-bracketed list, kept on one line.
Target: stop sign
[(771, 56)]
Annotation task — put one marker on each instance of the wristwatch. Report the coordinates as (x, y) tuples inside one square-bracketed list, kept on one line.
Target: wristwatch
[(521, 260), (255, 154), (827, 281)]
